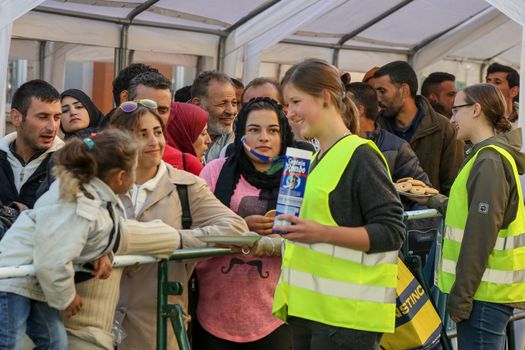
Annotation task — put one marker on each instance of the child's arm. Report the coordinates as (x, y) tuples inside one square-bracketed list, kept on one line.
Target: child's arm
[(58, 241)]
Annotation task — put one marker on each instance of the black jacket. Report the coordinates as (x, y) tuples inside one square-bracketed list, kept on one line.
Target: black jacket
[(435, 144), (28, 192), (400, 157)]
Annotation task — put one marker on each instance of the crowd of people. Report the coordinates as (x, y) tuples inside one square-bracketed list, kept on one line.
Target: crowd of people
[(163, 168)]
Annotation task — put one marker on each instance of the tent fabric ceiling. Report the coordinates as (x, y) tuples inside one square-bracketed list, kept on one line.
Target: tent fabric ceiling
[(403, 31)]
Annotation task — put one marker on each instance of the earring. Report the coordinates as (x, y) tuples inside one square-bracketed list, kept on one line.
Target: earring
[(325, 105)]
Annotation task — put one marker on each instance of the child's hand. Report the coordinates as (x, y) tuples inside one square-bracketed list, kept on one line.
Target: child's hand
[(102, 267), (74, 307)]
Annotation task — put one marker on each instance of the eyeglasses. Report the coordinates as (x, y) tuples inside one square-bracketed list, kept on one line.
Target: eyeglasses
[(131, 106), (455, 108)]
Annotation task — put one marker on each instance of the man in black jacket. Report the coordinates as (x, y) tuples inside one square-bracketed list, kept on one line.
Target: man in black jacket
[(24, 154), (412, 118), (400, 157), (8, 215), (401, 160)]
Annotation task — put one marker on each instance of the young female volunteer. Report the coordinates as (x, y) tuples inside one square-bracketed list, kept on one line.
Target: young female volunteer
[(483, 249), (338, 278)]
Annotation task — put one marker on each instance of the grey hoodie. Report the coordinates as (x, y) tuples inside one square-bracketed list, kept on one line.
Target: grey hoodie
[(491, 182)]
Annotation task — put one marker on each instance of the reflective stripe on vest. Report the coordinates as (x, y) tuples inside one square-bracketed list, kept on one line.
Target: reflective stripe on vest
[(490, 275), (349, 254), (329, 287), (330, 284), (503, 280), (502, 243)]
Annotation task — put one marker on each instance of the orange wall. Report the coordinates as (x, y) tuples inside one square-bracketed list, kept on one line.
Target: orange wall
[(103, 79), (102, 85)]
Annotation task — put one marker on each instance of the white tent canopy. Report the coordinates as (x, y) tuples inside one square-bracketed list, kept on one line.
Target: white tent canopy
[(261, 37)]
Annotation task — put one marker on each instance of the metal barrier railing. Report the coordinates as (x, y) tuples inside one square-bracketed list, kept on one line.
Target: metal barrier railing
[(124, 260), (174, 311), (165, 288)]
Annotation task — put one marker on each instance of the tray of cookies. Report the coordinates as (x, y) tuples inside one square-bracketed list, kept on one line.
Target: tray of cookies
[(410, 187)]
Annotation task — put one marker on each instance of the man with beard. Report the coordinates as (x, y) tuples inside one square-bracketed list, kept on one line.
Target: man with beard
[(412, 118), (24, 154), (507, 80), (215, 93), (440, 90)]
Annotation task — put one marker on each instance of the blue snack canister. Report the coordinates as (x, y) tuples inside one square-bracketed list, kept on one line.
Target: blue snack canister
[(293, 184)]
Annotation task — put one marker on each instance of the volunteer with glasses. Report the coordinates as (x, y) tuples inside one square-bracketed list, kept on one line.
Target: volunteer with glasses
[(155, 197), (483, 255)]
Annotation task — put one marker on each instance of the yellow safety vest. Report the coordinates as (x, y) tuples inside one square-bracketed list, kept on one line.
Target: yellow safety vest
[(330, 284), (504, 278)]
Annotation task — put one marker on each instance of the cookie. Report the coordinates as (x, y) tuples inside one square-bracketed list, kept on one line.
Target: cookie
[(418, 190), (430, 190), (405, 179), (417, 183), (271, 213), (403, 187)]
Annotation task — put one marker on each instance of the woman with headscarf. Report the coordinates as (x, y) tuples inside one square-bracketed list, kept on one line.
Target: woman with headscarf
[(80, 116), (187, 129), (236, 292)]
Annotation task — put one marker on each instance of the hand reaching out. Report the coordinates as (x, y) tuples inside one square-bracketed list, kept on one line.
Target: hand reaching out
[(102, 267)]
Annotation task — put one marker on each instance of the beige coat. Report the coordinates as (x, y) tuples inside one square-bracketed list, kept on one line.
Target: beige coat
[(139, 285)]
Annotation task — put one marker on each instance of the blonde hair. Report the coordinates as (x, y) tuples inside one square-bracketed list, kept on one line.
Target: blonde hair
[(492, 104), (313, 76)]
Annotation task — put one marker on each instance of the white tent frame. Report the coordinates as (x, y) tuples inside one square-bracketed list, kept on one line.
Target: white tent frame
[(262, 28)]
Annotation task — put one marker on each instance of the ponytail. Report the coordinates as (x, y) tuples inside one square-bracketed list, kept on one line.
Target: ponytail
[(79, 161), (502, 124), (350, 114)]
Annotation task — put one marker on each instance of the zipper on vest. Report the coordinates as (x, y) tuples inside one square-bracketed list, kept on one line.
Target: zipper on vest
[(21, 176)]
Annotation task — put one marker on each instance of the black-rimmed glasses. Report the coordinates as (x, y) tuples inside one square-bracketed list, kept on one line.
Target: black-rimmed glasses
[(455, 108)]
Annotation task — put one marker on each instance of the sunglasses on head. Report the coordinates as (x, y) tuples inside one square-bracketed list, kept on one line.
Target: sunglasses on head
[(131, 106)]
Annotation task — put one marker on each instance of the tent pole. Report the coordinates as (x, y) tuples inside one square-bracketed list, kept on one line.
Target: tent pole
[(42, 59), (220, 53), (335, 56), (122, 58)]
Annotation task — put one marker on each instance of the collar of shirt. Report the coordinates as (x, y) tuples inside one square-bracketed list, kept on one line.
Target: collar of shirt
[(407, 133), (12, 148), (139, 193)]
